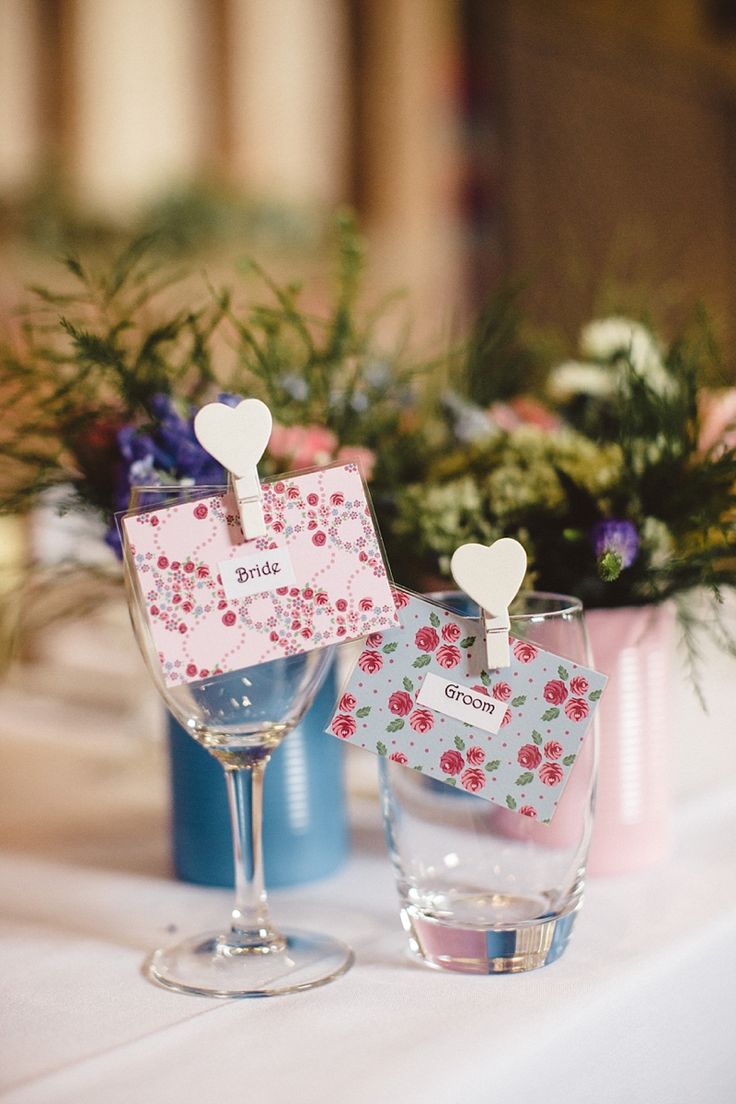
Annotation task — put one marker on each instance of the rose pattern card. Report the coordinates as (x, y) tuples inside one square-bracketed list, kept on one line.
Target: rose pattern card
[(527, 721), (317, 578)]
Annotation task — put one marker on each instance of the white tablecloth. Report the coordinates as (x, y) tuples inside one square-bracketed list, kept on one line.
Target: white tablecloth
[(641, 1008)]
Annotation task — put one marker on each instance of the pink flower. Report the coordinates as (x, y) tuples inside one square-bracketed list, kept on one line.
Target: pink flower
[(229, 618), (579, 685), (200, 511), (400, 598), (717, 410), (481, 690), (577, 709), (502, 691), (524, 651), (475, 755), (551, 774), (319, 538), (191, 670), (426, 639), (450, 632), (203, 572), (162, 563), (528, 810), (398, 757), (400, 703), (189, 567), (451, 762), (553, 750), (363, 458), (375, 640), (448, 655), (506, 719), (529, 757), (365, 604), (422, 720), (343, 726), (321, 599), (312, 499), (341, 604), (370, 662), (337, 499), (555, 692), (302, 446), (473, 779), (347, 703), (182, 627), (292, 492)]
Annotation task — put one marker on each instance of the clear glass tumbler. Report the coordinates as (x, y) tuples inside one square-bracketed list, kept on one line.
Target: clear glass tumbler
[(484, 890)]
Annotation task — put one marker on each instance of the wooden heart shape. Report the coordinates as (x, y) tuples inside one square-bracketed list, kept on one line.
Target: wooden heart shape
[(491, 576), (235, 435)]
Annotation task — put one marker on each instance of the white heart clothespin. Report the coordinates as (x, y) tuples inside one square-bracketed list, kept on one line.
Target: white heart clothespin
[(237, 437), (491, 576)]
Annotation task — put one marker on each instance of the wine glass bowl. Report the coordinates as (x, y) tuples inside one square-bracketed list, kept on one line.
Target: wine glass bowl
[(240, 717)]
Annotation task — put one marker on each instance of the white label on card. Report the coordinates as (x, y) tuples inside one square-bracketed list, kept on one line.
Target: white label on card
[(461, 702), (257, 573)]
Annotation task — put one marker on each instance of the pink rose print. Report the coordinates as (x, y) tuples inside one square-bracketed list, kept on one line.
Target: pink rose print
[(375, 640), (341, 605), (292, 493), (312, 499), (422, 720), (201, 511), (344, 726), (529, 757), (319, 538), (189, 567), (579, 685), (450, 632), (278, 487), (365, 604), (400, 703), (577, 709), (555, 692), (481, 690), (347, 703), (551, 774), (448, 655), (506, 719), (229, 618), (553, 750), (524, 651), (400, 599), (475, 755), (473, 779), (321, 598), (337, 499), (203, 572), (451, 762), (426, 639), (502, 691), (162, 563), (528, 810), (398, 757), (191, 670), (370, 662)]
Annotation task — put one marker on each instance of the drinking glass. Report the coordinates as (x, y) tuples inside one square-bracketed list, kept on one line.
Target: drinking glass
[(484, 890), (240, 718)]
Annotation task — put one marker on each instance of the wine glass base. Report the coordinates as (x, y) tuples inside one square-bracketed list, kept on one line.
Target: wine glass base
[(200, 965)]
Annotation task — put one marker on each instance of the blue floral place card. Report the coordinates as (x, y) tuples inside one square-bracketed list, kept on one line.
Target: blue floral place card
[(421, 695)]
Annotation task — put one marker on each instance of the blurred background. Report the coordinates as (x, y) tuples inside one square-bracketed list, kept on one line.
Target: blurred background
[(575, 147)]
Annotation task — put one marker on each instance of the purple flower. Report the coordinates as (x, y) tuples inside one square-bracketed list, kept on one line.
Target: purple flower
[(616, 544), (166, 453)]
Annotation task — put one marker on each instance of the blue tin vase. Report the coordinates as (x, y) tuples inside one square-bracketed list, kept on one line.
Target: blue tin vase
[(305, 833)]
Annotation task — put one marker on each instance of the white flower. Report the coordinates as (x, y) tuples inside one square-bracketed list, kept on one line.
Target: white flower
[(610, 339), (576, 378)]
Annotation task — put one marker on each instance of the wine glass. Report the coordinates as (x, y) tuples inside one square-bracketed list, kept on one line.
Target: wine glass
[(240, 717)]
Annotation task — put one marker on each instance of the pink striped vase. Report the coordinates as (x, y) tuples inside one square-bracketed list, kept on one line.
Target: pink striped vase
[(633, 646)]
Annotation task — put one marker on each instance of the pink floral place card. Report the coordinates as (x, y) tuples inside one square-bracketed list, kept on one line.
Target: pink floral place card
[(421, 696), (217, 604)]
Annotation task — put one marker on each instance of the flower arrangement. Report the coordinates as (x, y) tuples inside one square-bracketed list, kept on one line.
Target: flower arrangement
[(101, 383), (620, 481)]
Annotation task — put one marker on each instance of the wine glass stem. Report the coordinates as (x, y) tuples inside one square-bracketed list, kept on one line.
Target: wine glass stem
[(251, 927)]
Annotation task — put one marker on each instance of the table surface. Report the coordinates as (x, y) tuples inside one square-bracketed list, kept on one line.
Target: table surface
[(642, 1006)]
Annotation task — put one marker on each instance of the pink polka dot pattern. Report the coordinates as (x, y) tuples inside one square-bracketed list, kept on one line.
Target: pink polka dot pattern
[(343, 591)]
